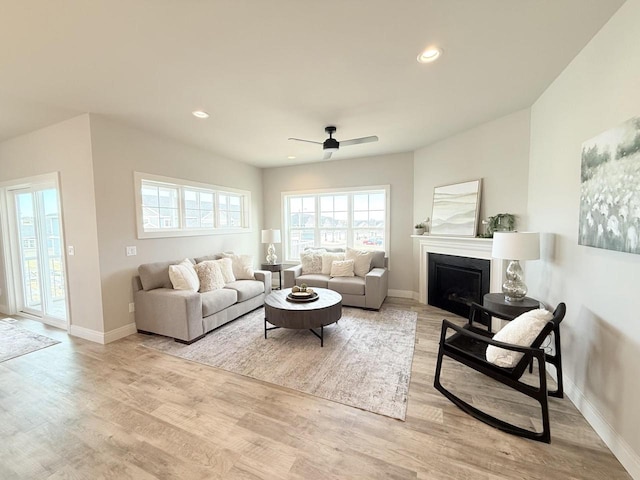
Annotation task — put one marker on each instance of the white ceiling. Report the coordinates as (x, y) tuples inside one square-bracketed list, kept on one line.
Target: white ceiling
[(269, 70)]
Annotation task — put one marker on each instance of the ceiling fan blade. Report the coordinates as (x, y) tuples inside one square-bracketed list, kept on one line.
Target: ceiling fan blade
[(308, 141), (356, 141), (327, 155)]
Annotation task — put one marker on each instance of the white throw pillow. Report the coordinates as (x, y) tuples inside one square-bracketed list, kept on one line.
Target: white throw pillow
[(226, 267), (311, 261), (522, 331), (183, 276), (327, 259), (210, 275), (242, 266), (361, 261), (342, 268)]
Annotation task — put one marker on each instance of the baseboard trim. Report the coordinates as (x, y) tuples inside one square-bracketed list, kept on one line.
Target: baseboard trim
[(121, 332), (620, 448), (86, 333), (100, 337), (401, 293)]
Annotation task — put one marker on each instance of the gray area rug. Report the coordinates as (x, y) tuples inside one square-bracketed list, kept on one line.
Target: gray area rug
[(365, 362), (16, 341)]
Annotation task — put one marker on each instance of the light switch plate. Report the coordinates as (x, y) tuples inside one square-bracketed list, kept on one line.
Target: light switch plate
[(132, 251), (71, 251), (132, 307)]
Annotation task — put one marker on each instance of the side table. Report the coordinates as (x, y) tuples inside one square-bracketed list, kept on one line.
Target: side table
[(274, 267), (497, 303)]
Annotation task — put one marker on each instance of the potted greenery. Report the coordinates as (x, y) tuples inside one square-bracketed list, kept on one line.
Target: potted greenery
[(419, 228)]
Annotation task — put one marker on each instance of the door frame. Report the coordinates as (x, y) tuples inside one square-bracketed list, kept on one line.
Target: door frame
[(11, 249)]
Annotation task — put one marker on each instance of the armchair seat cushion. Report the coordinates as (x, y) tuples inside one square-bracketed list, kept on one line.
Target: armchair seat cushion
[(217, 300), (347, 285), (246, 289), (313, 280)]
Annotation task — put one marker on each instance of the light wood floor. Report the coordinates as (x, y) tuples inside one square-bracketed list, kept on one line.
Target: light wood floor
[(81, 410)]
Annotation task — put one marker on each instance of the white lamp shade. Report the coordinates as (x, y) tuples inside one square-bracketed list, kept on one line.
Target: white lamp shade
[(271, 236), (516, 245)]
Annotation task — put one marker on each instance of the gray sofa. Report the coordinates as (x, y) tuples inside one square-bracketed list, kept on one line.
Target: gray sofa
[(364, 292), (186, 315)]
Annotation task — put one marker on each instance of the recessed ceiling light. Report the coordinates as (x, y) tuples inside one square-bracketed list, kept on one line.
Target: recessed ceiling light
[(431, 54), (291, 157), (200, 114)]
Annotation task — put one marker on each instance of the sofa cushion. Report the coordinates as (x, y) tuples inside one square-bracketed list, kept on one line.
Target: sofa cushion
[(342, 268), (216, 300), (210, 275), (347, 285), (328, 259), (377, 259), (311, 260), (207, 257), (242, 266), (183, 276), (155, 275), (313, 280), (246, 289), (362, 260)]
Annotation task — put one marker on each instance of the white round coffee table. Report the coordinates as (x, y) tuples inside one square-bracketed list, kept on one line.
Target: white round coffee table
[(282, 313)]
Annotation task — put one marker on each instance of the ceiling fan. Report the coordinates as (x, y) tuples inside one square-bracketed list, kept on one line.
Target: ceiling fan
[(331, 145)]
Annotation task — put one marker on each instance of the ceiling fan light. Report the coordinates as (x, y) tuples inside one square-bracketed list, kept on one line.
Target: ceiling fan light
[(429, 55), (331, 149)]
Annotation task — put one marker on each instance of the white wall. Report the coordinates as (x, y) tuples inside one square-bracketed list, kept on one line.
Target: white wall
[(395, 170), (497, 152), (598, 91), (66, 148), (118, 151)]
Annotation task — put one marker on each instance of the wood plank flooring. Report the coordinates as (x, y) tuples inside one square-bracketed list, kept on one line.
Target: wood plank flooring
[(80, 410)]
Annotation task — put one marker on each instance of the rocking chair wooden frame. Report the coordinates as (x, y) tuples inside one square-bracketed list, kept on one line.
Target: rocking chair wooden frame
[(468, 345)]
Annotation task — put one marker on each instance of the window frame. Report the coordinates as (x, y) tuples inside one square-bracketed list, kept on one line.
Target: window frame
[(317, 193), (182, 185)]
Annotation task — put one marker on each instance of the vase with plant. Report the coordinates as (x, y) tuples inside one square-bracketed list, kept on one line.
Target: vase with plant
[(419, 228)]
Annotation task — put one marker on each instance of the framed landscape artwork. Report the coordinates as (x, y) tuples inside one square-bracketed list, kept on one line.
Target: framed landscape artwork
[(455, 209), (610, 189)]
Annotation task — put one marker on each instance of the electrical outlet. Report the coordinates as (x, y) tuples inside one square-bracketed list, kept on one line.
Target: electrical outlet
[(132, 307), (131, 251), (71, 251)]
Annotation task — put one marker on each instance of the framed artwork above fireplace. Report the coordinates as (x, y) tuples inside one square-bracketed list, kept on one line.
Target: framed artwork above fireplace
[(455, 209)]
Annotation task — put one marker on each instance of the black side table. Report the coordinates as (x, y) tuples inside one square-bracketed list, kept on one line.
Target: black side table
[(497, 303), (274, 267)]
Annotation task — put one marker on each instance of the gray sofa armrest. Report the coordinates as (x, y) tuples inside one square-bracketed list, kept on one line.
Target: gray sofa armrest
[(265, 277), (376, 287), (290, 275), (174, 313)]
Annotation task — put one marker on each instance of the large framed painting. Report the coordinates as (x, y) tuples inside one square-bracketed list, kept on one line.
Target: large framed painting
[(610, 189), (455, 209)]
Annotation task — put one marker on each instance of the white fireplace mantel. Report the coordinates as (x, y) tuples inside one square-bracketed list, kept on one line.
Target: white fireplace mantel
[(470, 247)]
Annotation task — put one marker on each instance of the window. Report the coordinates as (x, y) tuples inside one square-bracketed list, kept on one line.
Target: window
[(168, 207), (336, 218)]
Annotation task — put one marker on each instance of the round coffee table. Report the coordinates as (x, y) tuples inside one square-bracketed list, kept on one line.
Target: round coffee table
[(281, 313)]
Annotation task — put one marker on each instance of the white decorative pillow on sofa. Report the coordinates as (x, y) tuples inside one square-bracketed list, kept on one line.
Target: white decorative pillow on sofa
[(311, 260), (226, 268), (522, 331), (183, 276), (361, 261), (327, 259), (242, 266), (342, 268), (210, 275)]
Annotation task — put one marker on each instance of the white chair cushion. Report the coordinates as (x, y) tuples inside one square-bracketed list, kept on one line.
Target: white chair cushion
[(521, 331), (183, 276)]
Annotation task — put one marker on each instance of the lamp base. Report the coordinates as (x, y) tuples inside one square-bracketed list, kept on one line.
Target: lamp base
[(271, 254), (514, 288)]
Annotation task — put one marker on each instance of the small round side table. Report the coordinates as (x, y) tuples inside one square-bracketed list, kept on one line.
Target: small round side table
[(273, 267), (497, 303)]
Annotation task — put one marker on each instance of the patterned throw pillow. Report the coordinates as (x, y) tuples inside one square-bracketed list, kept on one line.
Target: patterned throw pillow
[(342, 268), (327, 259), (210, 275), (183, 276), (311, 261), (361, 260)]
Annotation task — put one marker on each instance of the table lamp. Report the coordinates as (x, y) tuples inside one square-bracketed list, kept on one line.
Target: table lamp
[(271, 236), (515, 246)]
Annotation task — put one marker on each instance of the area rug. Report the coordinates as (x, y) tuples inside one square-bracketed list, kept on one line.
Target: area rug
[(365, 362), (16, 341)]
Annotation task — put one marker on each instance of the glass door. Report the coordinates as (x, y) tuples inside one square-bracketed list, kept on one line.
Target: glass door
[(40, 252)]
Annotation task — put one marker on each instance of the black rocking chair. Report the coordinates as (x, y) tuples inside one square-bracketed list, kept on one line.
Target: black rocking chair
[(468, 346)]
